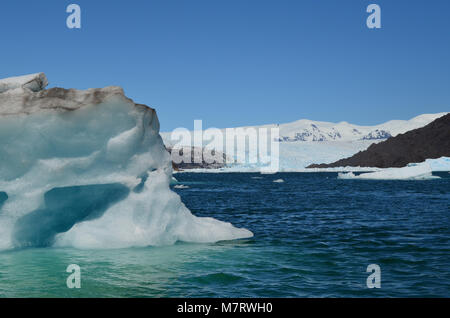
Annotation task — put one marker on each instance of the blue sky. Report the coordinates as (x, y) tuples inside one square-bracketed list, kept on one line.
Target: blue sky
[(241, 62)]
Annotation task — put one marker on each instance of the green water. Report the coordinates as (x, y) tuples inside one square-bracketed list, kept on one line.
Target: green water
[(315, 235)]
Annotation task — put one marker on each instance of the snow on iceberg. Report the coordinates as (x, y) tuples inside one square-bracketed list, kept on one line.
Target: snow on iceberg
[(34, 82), (417, 172), (88, 169)]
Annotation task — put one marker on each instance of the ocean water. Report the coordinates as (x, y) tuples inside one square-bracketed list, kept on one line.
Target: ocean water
[(315, 235)]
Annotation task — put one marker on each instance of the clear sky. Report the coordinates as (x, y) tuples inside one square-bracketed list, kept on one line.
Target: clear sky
[(241, 62)]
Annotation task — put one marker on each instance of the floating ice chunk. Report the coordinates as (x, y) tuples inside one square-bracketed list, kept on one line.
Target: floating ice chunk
[(346, 175), (278, 181), (181, 186), (416, 172), (34, 82)]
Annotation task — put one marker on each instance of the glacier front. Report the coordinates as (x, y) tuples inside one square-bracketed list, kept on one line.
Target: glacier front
[(305, 142), (421, 171), (88, 169)]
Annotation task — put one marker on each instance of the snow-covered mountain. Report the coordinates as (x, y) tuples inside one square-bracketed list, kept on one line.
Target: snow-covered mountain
[(429, 142), (304, 142), (310, 130)]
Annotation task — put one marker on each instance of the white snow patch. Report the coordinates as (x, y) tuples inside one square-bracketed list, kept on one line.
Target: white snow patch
[(181, 186), (34, 82)]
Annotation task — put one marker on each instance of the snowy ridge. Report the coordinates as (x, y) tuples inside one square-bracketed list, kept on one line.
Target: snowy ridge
[(309, 130), (305, 142), (318, 131)]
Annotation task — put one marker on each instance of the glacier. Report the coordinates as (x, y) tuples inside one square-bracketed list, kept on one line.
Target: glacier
[(422, 171), (439, 164), (305, 142), (88, 169)]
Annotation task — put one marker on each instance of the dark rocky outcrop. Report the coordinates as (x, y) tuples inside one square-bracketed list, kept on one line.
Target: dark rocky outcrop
[(429, 142), (197, 161)]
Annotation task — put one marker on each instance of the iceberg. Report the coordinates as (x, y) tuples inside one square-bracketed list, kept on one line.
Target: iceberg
[(88, 169), (414, 172), (181, 186)]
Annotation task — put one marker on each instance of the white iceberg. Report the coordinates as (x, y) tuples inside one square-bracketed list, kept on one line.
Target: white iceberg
[(181, 186), (88, 169), (417, 172)]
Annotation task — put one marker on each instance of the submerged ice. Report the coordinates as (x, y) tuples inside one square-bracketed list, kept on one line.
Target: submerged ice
[(88, 169)]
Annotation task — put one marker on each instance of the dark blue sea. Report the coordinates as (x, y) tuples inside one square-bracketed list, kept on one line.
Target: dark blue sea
[(315, 235)]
